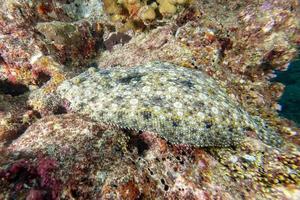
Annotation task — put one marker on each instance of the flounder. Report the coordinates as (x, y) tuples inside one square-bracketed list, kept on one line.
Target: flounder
[(184, 106)]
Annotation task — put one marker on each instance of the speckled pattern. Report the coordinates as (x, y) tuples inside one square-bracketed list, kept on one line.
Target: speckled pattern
[(182, 105), (83, 131)]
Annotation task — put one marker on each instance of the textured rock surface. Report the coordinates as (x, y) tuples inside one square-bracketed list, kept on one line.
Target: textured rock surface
[(10, 117), (236, 43), (126, 165), (210, 35), (15, 115), (32, 42), (182, 105), (160, 44)]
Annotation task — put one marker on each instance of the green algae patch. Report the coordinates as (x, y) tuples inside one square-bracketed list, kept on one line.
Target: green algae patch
[(183, 106)]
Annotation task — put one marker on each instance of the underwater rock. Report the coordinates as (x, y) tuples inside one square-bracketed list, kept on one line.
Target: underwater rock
[(73, 42), (94, 160), (54, 133), (236, 43), (15, 116), (79, 147), (159, 44), (57, 31), (182, 105), (262, 31)]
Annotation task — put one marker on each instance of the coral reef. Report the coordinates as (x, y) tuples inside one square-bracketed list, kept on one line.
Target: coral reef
[(52, 38), (159, 44), (127, 165), (61, 148), (203, 36)]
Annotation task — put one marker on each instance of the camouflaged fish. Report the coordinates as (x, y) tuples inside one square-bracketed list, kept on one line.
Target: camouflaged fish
[(182, 105)]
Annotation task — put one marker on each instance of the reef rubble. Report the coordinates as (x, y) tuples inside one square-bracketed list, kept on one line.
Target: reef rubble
[(82, 84)]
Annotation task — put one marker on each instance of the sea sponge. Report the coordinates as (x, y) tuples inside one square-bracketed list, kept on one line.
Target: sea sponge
[(168, 7), (141, 11), (147, 13)]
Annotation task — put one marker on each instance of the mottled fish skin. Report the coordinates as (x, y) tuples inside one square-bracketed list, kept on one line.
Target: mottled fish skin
[(182, 105)]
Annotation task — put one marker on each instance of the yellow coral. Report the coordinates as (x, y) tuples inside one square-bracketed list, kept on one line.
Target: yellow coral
[(136, 11), (168, 7), (111, 7), (147, 13)]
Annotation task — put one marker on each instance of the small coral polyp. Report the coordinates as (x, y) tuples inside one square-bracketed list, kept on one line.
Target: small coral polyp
[(183, 106)]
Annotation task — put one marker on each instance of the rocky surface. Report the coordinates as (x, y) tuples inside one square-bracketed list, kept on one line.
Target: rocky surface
[(42, 38), (130, 165), (54, 148)]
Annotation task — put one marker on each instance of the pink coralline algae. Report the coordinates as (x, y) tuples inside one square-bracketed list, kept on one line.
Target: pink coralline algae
[(128, 165), (34, 176)]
